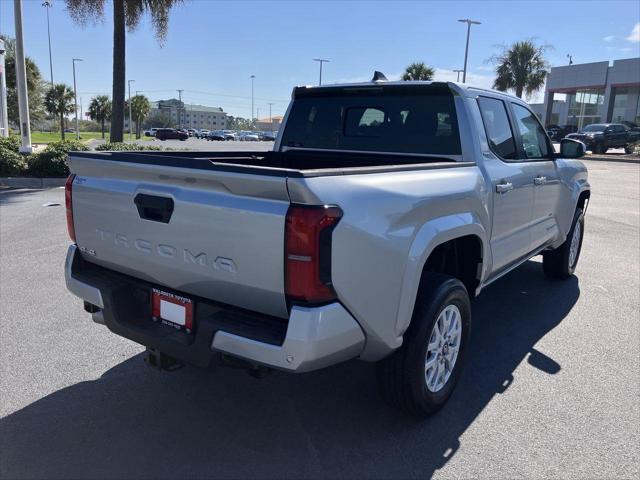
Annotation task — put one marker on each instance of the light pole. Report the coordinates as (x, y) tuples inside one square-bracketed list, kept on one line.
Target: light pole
[(75, 95), (21, 80), (320, 61), (4, 119), (180, 107), (466, 50), (130, 118), (48, 5), (252, 117), (270, 120), (458, 72)]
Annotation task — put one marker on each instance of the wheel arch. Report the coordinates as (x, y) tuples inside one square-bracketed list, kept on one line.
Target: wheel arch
[(435, 248)]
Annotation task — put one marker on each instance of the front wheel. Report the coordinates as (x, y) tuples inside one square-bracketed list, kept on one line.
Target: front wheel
[(599, 149), (561, 262), (420, 376), (628, 149)]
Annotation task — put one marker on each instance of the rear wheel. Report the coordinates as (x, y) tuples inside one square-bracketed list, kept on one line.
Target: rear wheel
[(420, 376), (561, 262)]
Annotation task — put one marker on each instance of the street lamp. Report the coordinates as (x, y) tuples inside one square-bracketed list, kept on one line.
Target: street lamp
[(48, 5), (75, 95), (466, 50), (130, 118), (320, 61), (270, 120), (458, 72), (252, 79)]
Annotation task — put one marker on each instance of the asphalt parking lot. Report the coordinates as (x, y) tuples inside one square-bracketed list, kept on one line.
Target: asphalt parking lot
[(200, 144), (551, 387)]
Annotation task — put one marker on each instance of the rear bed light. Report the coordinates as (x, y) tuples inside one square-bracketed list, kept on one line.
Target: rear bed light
[(308, 234), (68, 202)]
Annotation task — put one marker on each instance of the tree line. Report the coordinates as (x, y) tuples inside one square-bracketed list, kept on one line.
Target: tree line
[(520, 68)]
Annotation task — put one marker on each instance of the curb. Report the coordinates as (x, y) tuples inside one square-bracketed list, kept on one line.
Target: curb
[(32, 182), (611, 159)]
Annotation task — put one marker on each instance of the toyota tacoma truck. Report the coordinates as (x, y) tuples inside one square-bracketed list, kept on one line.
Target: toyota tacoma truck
[(383, 208)]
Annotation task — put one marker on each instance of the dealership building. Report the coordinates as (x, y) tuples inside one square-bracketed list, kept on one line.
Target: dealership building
[(588, 93)]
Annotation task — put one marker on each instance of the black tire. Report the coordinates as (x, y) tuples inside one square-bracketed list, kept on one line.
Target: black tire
[(628, 149), (599, 149), (556, 263), (401, 376)]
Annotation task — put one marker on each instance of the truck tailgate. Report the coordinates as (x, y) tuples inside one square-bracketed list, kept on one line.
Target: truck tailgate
[(213, 234)]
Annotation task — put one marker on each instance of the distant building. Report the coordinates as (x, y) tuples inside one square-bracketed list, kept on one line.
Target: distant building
[(188, 115), (265, 125), (592, 93)]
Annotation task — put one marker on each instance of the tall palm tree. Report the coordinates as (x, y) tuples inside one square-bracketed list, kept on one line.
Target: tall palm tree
[(140, 108), (100, 110), (521, 67), (126, 14), (418, 71), (59, 101)]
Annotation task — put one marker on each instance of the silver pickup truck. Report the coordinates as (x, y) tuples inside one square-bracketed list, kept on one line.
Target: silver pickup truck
[(382, 209)]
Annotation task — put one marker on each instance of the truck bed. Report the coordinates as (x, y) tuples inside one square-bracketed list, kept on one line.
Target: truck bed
[(291, 163)]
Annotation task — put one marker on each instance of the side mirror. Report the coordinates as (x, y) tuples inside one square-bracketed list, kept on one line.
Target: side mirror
[(570, 148)]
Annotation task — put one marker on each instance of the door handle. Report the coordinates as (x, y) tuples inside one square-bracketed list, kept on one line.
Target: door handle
[(504, 187), (540, 180)]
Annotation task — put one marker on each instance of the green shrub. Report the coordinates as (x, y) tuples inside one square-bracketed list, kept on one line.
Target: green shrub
[(12, 163), (52, 161), (121, 147), (10, 143)]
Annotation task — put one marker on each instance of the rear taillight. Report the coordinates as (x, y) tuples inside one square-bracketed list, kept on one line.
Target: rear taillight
[(308, 252), (69, 206)]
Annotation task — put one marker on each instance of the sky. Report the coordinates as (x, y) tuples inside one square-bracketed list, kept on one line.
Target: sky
[(213, 47)]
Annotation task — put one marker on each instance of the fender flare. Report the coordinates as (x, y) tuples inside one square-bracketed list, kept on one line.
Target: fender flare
[(433, 233)]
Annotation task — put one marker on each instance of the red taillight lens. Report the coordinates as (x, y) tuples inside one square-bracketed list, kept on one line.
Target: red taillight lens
[(69, 206), (308, 252)]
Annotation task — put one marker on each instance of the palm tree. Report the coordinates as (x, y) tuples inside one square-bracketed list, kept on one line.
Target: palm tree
[(100, 110), (418, 71), (521, 67), (126, 14), (140, 108), (59, 101)]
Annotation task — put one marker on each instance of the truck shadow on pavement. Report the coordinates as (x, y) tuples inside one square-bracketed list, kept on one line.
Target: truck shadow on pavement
[(136, 422)]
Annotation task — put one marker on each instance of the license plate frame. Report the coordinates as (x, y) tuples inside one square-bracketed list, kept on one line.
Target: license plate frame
[(173, 310)]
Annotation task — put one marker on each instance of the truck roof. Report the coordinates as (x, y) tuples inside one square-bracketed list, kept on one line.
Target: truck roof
[(462, 89)]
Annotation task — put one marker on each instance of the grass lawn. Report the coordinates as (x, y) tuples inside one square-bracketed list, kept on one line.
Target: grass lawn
[(48, 137)]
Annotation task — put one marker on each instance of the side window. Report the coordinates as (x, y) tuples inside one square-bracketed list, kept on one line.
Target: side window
[(534, 139), (496, 124)]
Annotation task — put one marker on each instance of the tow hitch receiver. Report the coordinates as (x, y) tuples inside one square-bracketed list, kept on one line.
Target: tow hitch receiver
[(156, 359)]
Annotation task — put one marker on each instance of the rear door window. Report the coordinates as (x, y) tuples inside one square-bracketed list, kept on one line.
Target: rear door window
[(377, 119), (496, 124)]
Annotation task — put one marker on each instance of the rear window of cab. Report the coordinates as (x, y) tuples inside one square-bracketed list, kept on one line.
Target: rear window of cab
[(380, 119)]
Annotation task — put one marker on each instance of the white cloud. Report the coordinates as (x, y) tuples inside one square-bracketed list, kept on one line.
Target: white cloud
[(626, 49), (609, 38), (475, 79), (634, 36), (485, 68)]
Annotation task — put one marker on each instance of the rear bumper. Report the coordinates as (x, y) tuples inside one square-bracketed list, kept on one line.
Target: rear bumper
[(312, 338)]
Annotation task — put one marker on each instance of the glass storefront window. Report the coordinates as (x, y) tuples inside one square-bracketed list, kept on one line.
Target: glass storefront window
[(585, 107), (626, 105)]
